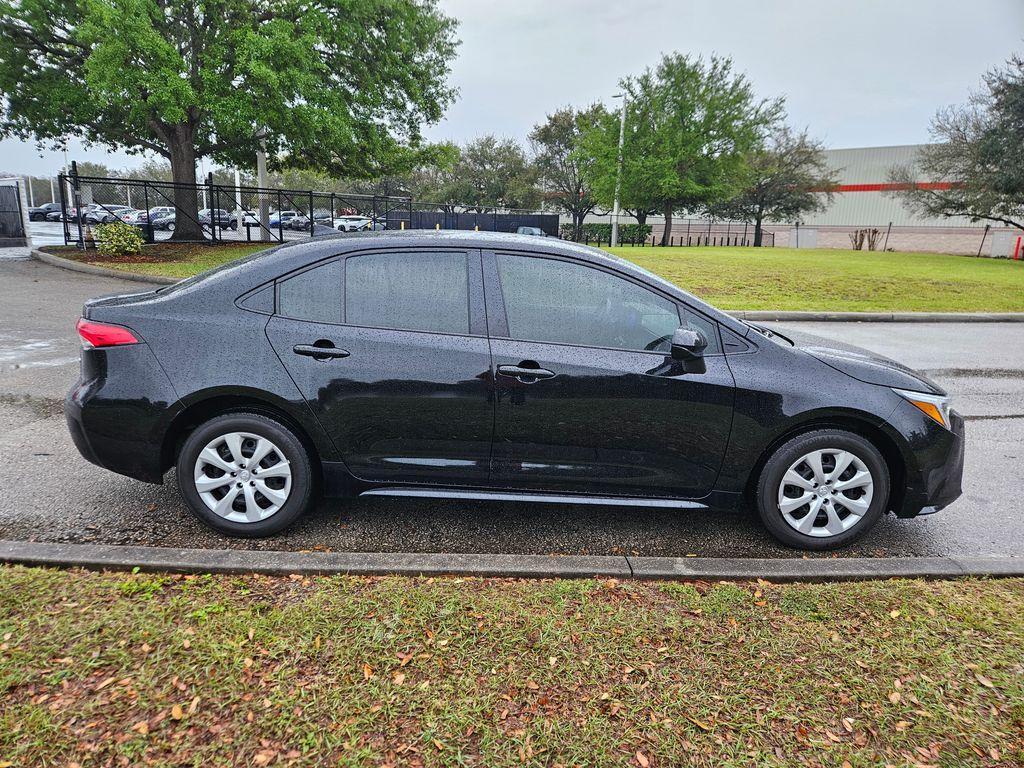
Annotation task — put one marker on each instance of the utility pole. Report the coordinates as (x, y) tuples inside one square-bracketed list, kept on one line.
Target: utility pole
[(618, 172), (261, 181), (31, 197)]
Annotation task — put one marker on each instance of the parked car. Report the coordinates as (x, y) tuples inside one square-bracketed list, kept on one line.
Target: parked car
[(216, 216), (39, 212), (70, 215), (248, 218), (301, 222), (132, 216), (533, 231), (497, 367), (282, 218), (167, 221), (352, 223), (104, 214)]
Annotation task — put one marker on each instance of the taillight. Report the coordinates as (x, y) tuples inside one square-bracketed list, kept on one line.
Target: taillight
[(103, 335)]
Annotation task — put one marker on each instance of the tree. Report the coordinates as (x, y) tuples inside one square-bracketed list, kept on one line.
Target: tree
[(489, 173), (785, 177), (976, 167), (689, 127), (561, 165), (339, 86)]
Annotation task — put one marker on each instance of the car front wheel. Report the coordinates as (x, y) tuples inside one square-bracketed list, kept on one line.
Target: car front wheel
[(823, 489), (245, 474)]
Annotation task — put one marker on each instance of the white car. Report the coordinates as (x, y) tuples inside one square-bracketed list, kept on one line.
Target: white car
[(352, 223)]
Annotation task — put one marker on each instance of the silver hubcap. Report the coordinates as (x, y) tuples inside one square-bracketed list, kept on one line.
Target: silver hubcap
[(243, 477), (824, 493)]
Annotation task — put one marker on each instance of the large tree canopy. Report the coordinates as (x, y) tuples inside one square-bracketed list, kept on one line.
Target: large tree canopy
[(976, 167), (784, 178), (338, 85), (562, 164), (489, 173), (689, 127)]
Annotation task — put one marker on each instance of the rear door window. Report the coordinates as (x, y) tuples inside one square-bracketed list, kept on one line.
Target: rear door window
[(414, 291)]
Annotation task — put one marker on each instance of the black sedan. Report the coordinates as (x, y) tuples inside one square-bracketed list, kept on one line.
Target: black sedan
[(502, 367), (39, 213)]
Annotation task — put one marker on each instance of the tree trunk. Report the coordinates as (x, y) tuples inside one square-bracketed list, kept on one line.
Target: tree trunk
[(667, 233), (186, 198), (577, 226), (757, 232), (641, 217)]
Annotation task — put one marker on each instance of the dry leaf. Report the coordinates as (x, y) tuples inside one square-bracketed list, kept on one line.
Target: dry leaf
[(399, 678), (142, 727), (642, 759), (176, 712), (367, 671), (894, 697), (984, 680), (193, 705), (532, 685)]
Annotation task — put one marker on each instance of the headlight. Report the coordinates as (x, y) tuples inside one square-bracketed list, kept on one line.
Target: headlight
[(935, 407)]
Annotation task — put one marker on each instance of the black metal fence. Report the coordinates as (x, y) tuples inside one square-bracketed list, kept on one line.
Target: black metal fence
[(223, 212), (218, 212)]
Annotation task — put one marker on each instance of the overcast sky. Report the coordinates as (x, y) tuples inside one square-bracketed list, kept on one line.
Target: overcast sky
[(855, 72)]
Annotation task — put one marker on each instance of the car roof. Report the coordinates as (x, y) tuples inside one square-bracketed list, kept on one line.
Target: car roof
[(274, 262)]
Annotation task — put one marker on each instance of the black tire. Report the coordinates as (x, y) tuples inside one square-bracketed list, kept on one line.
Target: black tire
[(782, 459), (299, 497)]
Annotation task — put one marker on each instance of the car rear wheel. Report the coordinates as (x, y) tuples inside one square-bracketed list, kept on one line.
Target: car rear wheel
[(170, 226), (823, 489), (245, 474)]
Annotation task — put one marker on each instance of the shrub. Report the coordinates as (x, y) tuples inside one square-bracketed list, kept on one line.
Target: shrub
[(602, 233), (118, 239)]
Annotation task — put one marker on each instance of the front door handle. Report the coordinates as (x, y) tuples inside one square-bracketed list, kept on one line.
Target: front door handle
[(321, 350), (524, 374)]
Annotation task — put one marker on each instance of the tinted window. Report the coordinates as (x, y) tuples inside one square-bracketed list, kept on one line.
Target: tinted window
[(565, 303), (424, 291), (312, 295)]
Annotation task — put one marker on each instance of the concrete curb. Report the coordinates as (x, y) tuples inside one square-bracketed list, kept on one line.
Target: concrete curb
[(816, 317), (92, 269), (113, 557)]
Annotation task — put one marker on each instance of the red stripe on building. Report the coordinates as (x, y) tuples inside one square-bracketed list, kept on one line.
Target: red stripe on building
[(939, 185)]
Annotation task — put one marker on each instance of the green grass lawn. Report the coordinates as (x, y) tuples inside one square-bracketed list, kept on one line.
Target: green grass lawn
[(100, 669), (746, 278), (835, 280)]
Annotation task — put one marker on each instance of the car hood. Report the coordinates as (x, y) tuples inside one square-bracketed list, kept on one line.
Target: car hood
[(861, 364)]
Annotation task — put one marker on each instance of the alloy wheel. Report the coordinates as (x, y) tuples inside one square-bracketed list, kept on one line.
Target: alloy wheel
[(825, 492), (243, 477)]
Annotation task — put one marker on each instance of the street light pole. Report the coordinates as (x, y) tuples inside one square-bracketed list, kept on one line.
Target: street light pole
[(261, 182), (618, 172)]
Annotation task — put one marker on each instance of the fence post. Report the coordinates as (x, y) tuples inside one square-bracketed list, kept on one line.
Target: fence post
[(885, 246), (280, 221), (77, 200), (311, 222), (145, 201)]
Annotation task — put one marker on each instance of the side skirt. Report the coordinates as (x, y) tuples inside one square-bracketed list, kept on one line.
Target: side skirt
[(542, 498)]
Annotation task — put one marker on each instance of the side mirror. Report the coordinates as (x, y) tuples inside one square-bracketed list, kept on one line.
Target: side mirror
[(688, 344)]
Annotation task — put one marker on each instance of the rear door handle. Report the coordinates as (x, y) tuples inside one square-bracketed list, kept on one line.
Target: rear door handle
[(525, 375), (319, 352)]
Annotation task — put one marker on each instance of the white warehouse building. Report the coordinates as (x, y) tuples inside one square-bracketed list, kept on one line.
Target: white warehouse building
[(865, 200)]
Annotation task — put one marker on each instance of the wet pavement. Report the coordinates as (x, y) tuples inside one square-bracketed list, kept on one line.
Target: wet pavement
[(49, 493)]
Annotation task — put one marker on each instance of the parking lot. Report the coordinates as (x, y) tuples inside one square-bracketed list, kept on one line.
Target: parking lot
[(49, 493)]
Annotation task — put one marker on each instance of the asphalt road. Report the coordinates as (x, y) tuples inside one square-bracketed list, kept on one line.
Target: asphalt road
[(49, 493)]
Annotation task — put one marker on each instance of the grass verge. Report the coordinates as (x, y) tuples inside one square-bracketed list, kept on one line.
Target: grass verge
[(838, 281), (166, 259), (173, 670)]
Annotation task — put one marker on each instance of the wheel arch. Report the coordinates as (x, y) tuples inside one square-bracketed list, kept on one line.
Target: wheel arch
[(851, 421), (205, 407)]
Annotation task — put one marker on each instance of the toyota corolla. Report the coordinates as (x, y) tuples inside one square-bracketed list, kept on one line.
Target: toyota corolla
[(496, 367)]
